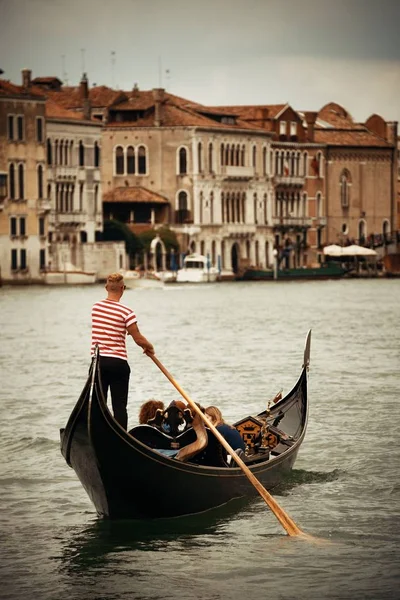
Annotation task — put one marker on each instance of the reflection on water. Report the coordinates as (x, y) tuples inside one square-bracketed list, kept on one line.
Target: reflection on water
[(91, 546), (234, 346)]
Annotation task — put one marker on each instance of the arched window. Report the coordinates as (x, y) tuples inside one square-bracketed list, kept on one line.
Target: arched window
[(243, 156), (210, 158), (142, 167), (96, 154), (182, 201), (96, 199), (345, 182), (21, 181), (56, 152), (81, 154), (264, 160), (213, 253), (49, 152), (40, 181), (222, 152), (200, 156), (386, 230), (201, 200), (305, 164), (71, 152), (182, 161), (11, 181), (130, 160), (182, 214), (212, 208), (254, 156), (66, 146), (119, 160), (61, 153), (318, 208), (362, 231)]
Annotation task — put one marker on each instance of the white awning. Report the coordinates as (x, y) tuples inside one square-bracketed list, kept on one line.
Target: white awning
[(353, 250)]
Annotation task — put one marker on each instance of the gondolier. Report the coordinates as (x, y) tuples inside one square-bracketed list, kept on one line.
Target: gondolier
[(111, 322)]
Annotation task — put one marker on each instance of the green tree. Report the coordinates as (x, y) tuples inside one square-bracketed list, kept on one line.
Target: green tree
[(115, 231), (167, 236)]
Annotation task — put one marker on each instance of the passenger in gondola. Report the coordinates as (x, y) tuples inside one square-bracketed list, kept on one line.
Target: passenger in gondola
[(149, 409), (231, 434)]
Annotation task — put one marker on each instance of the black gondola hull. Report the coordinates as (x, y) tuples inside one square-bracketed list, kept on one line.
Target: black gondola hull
[(125, 479)]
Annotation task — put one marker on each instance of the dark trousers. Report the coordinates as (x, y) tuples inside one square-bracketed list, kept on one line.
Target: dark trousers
[(115, 374)]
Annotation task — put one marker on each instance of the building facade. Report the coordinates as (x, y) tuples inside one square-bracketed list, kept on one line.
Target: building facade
[(24, 207)]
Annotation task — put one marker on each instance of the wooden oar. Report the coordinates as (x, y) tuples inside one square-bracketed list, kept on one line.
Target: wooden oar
[(287, 523)]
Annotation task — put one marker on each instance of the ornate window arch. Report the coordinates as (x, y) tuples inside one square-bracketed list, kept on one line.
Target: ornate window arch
[(119, 160), (386, 230), (182, 161), (81, 154), (210, 158), (362, 231), (40, 181), (200, 157), (130, 160), (11, 181), (345, 184), (142, 160)]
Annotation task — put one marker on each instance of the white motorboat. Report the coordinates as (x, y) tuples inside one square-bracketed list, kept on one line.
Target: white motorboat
[(69, 275), (197, 269), (141, 279)]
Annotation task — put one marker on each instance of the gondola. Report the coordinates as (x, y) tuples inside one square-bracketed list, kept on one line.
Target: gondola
[(131, 475)]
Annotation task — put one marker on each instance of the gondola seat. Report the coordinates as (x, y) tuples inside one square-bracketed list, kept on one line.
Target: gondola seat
[(156, 439)]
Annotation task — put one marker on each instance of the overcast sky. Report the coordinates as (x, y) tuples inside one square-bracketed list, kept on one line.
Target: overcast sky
[(305, 52)]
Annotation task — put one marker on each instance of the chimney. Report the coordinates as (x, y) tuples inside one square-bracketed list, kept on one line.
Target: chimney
[(26, 78), (159, 98), (135, 91), (84, 94), (310, 118), (391, 135)]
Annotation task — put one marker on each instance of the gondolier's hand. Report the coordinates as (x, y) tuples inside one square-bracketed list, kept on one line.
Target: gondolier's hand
[(148, 348)]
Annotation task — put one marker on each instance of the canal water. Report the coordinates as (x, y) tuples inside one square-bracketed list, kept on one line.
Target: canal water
[(234, 345)]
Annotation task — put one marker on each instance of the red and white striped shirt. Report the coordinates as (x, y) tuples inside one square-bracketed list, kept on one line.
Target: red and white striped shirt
[(110, 320)]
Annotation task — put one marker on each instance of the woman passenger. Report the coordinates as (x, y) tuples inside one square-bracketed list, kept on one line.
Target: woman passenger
[(231, 434)]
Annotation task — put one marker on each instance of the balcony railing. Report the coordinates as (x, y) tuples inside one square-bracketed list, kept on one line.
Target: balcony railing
[(43, 205), (292, 221), (230, 172), (289, 180), (183, 216), (61, 172)]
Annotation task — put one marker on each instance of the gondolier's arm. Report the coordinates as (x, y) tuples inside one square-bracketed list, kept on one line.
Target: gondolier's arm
[(140, 340)]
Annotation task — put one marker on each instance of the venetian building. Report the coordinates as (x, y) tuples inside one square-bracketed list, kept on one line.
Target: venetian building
[(361, 177), (203, 171), (295, 166), (73, 155), (24, 207)]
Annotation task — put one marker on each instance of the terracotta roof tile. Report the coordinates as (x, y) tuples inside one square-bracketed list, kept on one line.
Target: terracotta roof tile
[(346, 137), (133, 194), (179, 116), (55, 111), (10, 89)]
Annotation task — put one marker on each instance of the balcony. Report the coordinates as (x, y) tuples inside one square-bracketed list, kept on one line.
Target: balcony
[(289, 181), (71, 218), (43, 206), (239, 230), (58, 172), (230, 172), (291, 221)]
